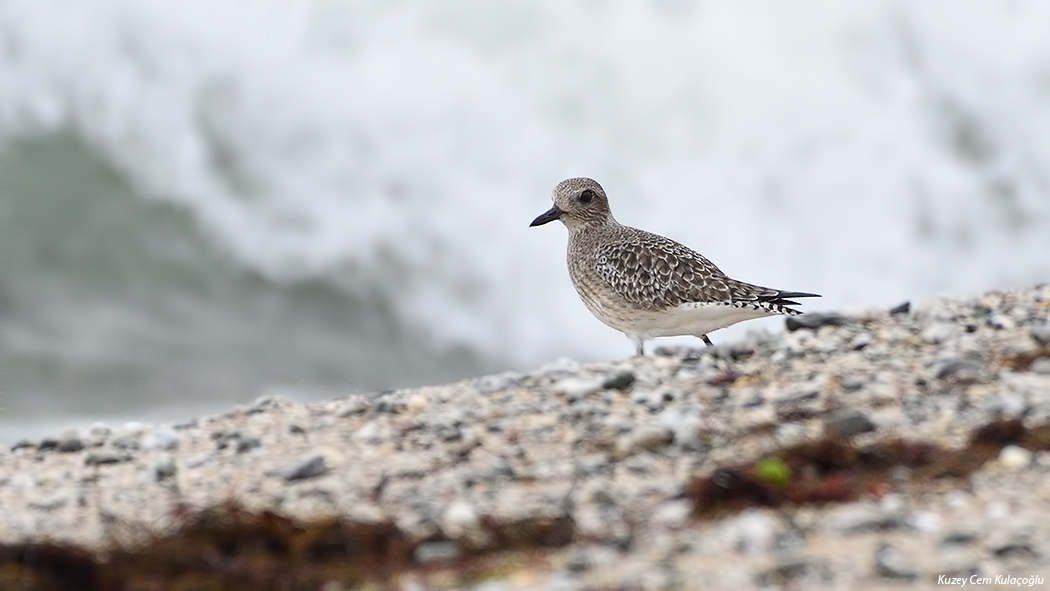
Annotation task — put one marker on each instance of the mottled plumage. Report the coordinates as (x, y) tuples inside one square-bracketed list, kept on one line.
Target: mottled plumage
[(645, 285)]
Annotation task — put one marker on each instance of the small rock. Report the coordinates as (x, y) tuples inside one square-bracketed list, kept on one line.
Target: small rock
[(309, 465), (439, 551), (264, 403), (889, 564), (388, 403), (1040, 366), (98, 435), (247, 443), (163, 468), (162, 437), (48, 443), (861, 519), (1013, 457), (576, 388), (853, 383), (644, 438), (1041, 333), (848, 424), (106, 456), (1014, 550), (815, 320), (351, 407), (860, 341), (498, 382), (937, 332), (620, 381), (959, 538), (22, 444), (417, 402), (957, 370), (683, 423), (459, 518), (49, 503), (369, 433), (673, 513), (901, 309), (1001, 322), (70, 442), (784, 573), (127, 440)]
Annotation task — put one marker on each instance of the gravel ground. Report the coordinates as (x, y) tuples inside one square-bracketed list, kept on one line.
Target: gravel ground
[(872, 449)]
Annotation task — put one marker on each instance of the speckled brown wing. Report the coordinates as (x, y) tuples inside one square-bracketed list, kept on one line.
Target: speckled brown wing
[(653, 273)]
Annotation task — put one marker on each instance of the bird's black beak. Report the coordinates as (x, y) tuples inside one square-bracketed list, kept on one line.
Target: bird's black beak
[(548, 216)]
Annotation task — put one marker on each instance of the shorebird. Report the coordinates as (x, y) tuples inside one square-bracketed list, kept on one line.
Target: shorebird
[(645, 285)]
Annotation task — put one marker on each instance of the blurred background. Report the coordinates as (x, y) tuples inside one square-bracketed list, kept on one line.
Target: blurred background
[(206, 201)]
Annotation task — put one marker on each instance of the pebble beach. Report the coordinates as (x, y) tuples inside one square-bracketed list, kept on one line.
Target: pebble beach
[(868, 449)]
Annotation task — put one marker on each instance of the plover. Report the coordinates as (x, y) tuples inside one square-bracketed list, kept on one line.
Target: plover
[(645, 285)]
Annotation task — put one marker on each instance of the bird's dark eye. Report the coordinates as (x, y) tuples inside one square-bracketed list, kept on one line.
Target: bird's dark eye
[(586, 196)]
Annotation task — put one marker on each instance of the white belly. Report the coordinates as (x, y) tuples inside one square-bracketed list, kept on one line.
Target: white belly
[(693, 319)]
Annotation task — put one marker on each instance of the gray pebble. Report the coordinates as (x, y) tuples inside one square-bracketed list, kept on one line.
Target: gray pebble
[(848, 424), (1041, 333), (308, 466), (852, 383), (440, 551), (1040, 366), (129, 441)]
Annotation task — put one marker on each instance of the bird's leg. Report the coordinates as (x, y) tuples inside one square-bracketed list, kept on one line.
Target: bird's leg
[(707, 340), (639, 348)]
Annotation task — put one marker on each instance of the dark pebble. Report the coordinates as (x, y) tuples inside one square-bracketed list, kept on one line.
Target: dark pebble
[(958, 538), (22, 444), (70, 444), (815, 320), (621, 381), (248, 443), (1014, 550), (48, 443), (103, 457), (849, 424), (163, 469), (901, 309)]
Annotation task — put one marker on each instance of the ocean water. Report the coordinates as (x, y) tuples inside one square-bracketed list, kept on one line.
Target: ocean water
[(206, 201)]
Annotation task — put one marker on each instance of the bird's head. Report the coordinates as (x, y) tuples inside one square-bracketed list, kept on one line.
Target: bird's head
[(577, 202)]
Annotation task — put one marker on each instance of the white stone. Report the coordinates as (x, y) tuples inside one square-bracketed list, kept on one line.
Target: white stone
[(1015, 458)]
